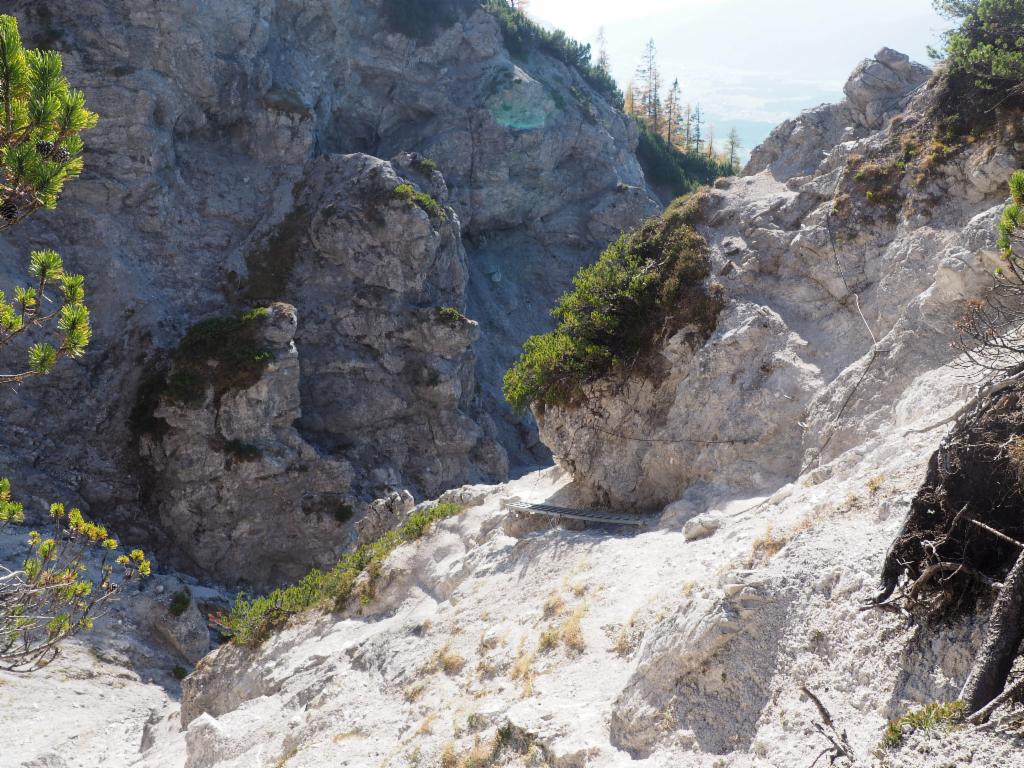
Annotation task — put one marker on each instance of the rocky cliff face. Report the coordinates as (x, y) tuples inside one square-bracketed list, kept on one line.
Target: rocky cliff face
[(234, 135), (842, 271)]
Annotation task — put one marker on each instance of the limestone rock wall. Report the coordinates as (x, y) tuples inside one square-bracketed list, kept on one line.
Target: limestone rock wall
[(219, 121), (876, 90)]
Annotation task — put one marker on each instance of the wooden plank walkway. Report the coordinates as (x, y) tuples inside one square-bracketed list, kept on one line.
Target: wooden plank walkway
[(587, 515)]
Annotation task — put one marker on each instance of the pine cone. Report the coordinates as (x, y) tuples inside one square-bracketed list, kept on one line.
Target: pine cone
[(8, 211), (60, 155), (44, 148)]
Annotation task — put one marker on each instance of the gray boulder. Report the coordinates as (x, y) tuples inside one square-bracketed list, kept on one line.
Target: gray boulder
[(879, 87)]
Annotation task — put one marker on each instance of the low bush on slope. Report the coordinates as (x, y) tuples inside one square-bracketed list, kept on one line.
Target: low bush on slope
[(253, 619), (644, 287), (673, 173), (984, 74)]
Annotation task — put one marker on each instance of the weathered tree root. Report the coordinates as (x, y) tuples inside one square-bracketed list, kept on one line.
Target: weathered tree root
[(982, 715), (995, 660)]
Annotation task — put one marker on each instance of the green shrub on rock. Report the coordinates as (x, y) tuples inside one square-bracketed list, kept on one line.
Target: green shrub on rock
[(451, 316), (989, 43), (984, 64), (644, 287)]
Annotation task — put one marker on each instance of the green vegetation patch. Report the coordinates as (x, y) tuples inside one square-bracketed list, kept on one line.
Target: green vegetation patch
[(424, 165), (1012, 220), (522, 35), (225, 353), (879, 180), (252, 620), (674, 173), (451, 316), (180, 601), (644, 287), (945, 715), (428, 204)]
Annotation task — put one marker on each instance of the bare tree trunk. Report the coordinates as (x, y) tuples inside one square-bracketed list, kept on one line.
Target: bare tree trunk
[(1005, 631)]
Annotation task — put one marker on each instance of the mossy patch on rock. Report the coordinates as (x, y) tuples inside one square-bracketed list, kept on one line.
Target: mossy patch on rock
[(224, 353)]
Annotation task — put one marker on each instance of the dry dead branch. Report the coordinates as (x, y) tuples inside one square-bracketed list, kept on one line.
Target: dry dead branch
[(839, 744)]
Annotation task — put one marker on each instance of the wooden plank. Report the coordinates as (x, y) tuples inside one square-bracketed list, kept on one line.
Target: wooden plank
[(586, 515)]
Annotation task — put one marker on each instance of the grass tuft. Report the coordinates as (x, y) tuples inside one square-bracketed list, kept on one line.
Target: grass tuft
[(946, 715), (428, 204), (252, 620)]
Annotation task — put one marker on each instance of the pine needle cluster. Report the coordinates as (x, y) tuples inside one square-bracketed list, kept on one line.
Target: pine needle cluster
[(26, 319), (41, 121)]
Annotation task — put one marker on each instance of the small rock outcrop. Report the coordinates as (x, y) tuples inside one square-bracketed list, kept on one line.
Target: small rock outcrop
[(237, 491), (878, 88), (374, 255)]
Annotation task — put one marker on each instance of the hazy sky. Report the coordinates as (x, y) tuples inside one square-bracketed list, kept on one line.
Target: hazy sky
[(750, 63)]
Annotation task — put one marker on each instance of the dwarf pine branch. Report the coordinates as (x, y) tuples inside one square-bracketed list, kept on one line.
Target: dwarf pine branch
[(61, 586), (49, 314), (43, 118)]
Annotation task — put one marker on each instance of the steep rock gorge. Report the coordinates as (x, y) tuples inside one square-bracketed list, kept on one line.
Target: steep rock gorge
[(208, 191)]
